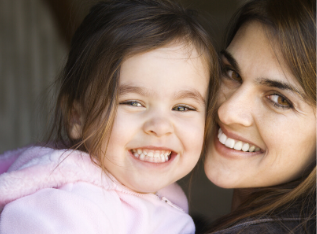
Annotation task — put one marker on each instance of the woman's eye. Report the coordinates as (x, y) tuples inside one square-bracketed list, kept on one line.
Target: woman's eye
[(230, 73), (280, 101), (183, 108), (233, 75), (132, 103)]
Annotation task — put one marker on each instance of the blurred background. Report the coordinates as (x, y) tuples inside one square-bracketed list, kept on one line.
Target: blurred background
[(34, 41)]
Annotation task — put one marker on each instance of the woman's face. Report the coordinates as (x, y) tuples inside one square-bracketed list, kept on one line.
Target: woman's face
[(267, 128)]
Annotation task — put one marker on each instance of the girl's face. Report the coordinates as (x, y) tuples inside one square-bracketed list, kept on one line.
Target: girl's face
[(267, 128), (158, 131)]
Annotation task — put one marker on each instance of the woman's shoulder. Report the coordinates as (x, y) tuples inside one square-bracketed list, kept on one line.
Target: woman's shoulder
[(290, 222)]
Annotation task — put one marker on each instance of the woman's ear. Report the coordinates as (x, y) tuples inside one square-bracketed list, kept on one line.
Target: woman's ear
[(76, 122)]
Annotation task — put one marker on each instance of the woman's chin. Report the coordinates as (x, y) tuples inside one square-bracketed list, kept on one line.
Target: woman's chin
[(218, 176)]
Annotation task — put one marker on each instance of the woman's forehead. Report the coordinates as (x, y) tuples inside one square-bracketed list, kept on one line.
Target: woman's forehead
[(253, 48)]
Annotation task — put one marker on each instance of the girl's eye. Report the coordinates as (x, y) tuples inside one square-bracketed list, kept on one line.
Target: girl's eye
[(280, 101), (132, 103), (183, 108)]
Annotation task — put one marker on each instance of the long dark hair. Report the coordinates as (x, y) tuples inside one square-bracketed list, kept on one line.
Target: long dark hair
[(110, 33), (293, 24)]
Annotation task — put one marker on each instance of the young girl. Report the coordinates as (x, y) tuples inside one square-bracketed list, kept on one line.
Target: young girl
[(265, 147), (130, 120)]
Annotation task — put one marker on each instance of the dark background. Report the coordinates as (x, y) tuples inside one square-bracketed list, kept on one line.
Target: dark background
[(34, 41)]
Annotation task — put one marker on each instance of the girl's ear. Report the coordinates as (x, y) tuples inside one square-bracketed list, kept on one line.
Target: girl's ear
[(76, 122)]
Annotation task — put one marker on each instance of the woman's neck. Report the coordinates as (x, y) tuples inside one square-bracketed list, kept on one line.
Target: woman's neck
[(239, 196)]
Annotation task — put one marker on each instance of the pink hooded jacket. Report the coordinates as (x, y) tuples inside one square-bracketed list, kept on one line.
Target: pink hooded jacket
[(43, 190)]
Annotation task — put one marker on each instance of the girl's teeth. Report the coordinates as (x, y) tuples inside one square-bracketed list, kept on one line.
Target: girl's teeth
[(156, 156), (237, 145), (162, 158)]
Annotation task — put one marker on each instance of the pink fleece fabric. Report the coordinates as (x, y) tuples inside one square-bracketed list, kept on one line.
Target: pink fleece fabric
[(43, 190)]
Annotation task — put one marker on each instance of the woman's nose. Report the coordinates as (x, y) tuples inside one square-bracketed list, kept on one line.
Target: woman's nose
[(158, 125), (236, 107)]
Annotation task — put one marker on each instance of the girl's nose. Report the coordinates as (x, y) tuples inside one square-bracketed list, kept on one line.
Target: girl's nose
[(158, 125), (236, 108)]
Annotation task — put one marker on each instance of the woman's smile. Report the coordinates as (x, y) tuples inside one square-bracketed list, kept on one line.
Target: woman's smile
[(236, 144)]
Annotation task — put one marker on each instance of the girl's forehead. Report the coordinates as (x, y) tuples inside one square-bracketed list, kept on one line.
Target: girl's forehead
[(166, 70), (177, 49)]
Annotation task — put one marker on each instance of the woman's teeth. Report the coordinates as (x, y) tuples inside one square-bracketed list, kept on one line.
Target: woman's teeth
[(156, 156), (237, 145)]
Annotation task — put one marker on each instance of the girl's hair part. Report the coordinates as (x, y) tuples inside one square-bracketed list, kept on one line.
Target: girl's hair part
[(292, 24)]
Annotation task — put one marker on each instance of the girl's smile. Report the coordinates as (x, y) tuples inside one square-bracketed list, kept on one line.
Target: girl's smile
[(153, 154)]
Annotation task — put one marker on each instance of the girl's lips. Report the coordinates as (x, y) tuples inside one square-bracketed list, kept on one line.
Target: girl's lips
[(153, 148)]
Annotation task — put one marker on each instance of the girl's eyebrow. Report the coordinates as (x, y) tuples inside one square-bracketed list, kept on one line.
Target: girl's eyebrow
[(125, 89), (231, 60), (188, 93)]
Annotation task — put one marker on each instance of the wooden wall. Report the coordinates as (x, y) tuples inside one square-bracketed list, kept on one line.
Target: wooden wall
[(31, 55)]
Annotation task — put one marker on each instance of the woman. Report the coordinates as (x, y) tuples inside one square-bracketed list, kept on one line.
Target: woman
[(265, 144)]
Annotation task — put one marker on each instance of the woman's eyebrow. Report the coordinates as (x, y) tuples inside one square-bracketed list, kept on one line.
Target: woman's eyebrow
[(263, 81), (231, 60), (280, 85)]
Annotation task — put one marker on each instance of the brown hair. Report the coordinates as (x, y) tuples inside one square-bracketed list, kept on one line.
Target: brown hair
[(112, 31), (292, 23)]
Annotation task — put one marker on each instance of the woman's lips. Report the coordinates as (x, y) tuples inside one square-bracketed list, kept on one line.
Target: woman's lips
[(236, 144), (232, 153)]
